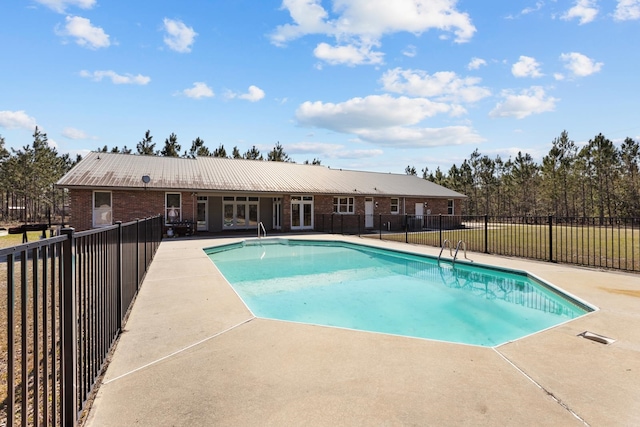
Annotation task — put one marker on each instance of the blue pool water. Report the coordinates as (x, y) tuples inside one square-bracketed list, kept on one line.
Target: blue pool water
[(364, 288)]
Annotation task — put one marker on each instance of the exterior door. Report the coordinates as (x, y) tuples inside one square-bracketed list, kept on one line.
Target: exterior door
[(368, 212), (301, 212), (240, 212), (419, 215), (202, 214)]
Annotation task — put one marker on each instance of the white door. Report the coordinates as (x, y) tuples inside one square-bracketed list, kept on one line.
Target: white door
[(419, 215), (301, 212), (368, 213), (203, 214)]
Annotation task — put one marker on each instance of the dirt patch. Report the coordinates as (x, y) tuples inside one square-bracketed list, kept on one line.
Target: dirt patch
[(628, 292)]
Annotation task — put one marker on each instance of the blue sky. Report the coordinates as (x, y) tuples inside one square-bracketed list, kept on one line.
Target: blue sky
[(360, 84)]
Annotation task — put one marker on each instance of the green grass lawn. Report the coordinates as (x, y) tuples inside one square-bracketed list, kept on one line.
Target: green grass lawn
[(607, 247), (16, 239)]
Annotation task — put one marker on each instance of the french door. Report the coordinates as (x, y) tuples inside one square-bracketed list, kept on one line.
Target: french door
[(301, 212), (240, 212)]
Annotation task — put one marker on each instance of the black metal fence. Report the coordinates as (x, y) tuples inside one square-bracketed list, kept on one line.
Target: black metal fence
[(66, 299), (610, 243)]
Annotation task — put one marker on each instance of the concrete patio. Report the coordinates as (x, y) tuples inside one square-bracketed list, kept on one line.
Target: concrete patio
[(192, 354)]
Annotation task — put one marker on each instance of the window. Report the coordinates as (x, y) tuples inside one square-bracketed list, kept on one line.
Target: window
[(394, 205), (101, 208), (450, 209), (343, 205), (173, 204)]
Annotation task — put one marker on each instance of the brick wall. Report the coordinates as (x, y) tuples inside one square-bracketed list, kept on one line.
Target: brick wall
[(127, 205)]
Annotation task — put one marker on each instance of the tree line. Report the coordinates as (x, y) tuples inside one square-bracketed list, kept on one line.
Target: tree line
[(27, 181), (171, 148), (598, 179)]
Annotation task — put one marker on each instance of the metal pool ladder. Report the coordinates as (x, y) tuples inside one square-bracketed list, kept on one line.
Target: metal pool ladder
[(444, 244), (464, 248), (454, 256), (261, 226)]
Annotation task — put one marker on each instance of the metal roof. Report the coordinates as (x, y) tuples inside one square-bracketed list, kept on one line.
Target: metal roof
[(215, 174)]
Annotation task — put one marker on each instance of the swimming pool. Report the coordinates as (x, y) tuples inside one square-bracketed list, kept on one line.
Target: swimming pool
[(365, 288)]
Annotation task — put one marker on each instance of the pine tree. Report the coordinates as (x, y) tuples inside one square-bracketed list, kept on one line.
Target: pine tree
[(171, 146), (278, 154), (221, 152), (253, 154), (146, 147)]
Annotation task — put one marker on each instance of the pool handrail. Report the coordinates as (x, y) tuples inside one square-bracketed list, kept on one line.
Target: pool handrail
[(444, 244), (464, 248)]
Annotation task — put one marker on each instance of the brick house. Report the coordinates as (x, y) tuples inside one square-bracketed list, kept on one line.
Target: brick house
[(218, 194)]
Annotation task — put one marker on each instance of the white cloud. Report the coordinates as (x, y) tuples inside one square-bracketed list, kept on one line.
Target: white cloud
[(73, 133), (584, 10), (386, 120), (347, 54), (16, 120), (580, 65), (536, 8), (253, 94), (360, 24), (61, 5), (529, 101), (119, 79), (179, 37), (627, 10), (526, 67), (199, 90), (86, 35), (410, 51), (421, 137), (331, 151), (476, 63), (308, 17), (371, 112), (443, 85)]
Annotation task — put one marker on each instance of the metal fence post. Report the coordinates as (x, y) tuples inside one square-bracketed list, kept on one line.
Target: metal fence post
[(146, 243), (119, 275), (440, 228), (406, 228), (550, 238), (486, 233), (137, 254), (69, 332), (380, 225)]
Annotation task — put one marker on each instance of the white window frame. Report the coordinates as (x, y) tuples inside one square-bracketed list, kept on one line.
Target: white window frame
[(343, 205), (102, 216), (451, 207), (396, 204), (172, 213)]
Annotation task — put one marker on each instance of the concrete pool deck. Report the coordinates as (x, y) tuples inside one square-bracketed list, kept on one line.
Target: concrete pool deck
[(192, 355)]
